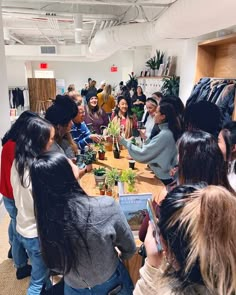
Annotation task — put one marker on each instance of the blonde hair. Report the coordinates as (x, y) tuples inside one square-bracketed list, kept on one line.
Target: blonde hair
[(209, 219), (106, 92)]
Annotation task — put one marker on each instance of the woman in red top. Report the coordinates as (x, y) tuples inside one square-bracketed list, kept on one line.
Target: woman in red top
[(17, 251)]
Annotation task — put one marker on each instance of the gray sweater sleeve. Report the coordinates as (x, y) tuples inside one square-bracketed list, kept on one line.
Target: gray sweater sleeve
[(149, 151)]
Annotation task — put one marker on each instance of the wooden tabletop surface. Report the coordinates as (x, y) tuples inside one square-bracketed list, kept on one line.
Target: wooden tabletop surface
[(146, 181)]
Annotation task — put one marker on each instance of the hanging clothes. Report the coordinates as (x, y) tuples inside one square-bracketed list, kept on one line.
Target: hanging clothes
[(218, 91)]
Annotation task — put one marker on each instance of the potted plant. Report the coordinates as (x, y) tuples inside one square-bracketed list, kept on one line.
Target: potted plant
[(151, 64), (89, 157), (101, 187), (159, 58), (113, 130), (138, 112), (101, 151), (128, 176), (132, 82), (171, 86), (112, 177), (99, 175)]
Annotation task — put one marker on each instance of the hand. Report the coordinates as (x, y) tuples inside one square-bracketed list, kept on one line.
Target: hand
[(142, 133), (89, 168), (154, 257), (173, 171), (95, 137)]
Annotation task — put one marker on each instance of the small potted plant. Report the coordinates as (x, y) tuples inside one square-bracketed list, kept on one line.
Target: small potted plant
[(99, 175), (112, 177), (101, 187), (128, 176), (113, 130), (101, 151)]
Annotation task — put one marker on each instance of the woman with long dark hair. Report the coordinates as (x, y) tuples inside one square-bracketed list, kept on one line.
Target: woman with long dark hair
[(78, 233), (17, 250), (159, 152), (124, 117), (95, 117), (37, 137), (200, 159), (197, 233)]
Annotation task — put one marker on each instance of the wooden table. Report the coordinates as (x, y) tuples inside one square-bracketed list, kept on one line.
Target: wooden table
[(146, 182)]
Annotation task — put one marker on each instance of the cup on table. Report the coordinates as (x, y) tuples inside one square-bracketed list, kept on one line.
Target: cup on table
[(131, 164)]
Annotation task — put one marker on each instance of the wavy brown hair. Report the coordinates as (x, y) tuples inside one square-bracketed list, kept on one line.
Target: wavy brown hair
[(209, 217), (199, 228)]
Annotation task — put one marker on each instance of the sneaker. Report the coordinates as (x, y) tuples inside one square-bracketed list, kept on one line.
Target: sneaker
[(23, 272), (9, 254)]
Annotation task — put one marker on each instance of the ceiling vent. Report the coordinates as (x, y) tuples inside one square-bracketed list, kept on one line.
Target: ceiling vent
[(48, 49)]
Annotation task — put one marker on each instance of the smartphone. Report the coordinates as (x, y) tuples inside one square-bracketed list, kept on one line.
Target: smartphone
[(154, 221)]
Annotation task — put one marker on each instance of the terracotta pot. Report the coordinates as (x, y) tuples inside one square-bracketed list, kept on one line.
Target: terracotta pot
[(102, 192), (108, 146), (101, 156), (109, 193)]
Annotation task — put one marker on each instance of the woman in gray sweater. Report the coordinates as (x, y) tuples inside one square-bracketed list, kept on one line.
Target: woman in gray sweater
[(160, 152), (79, 234)]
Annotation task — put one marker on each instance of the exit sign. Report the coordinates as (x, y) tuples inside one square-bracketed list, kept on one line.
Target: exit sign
[(43, 66), (114, 69)]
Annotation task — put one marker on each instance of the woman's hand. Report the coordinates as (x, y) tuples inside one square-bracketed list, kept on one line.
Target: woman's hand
[(153, 256), (89, 168), (95, 137)]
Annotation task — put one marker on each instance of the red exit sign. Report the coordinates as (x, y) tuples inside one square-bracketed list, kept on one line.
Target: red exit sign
[(43, 66), (114, 69)]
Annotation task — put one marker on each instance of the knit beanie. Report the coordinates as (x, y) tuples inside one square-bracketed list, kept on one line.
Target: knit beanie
[(91, 94), (63, 110)]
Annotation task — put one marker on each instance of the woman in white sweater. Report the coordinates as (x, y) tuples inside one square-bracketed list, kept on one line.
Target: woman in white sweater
[(35, 139), (199, 244)]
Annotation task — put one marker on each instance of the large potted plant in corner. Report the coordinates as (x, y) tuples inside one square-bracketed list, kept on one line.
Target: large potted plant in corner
[(171, 86)]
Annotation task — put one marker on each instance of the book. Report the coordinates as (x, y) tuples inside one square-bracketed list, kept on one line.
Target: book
[(134, 207)]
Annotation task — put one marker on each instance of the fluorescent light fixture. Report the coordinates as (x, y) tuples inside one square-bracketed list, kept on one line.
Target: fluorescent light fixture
[(78, 21), (78, 37)]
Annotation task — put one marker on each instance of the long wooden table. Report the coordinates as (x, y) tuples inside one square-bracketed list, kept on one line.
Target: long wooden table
[(146, 182)]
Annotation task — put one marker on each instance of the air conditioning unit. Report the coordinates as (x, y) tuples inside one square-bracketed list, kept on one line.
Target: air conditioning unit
[(51, 49)]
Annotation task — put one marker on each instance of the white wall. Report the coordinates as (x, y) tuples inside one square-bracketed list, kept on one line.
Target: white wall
[(78, 72), (16, 74)]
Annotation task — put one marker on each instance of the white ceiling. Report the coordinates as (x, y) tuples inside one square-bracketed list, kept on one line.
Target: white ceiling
[(51, 22)]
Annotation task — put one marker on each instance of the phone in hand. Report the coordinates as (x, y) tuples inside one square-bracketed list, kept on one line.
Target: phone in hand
[(154, 221)]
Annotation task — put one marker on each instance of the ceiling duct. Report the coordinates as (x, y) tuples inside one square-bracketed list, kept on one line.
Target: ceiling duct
[(184, 19)]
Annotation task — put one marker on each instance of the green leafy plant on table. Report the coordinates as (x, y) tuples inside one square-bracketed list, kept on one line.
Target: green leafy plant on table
[(113, 130), (99, 175), (128, 176)]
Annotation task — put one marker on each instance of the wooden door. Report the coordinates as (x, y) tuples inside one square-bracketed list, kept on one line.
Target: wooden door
[(40, 90)]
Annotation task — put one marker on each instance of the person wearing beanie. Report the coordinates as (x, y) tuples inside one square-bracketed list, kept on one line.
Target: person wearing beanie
[(60, 114), (95, 116)]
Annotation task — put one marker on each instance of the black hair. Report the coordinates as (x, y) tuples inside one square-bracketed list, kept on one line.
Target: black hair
[(157, 93), (200, 159), (175, 235), (57, 199), (168, 110), (203, 115), (18, 126), (63, 110), (176, 102), (30, 144), (229, 135), (129, 112)]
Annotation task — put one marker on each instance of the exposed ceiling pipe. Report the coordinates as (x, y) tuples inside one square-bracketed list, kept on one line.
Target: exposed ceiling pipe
[(184, 19), (17, 40)]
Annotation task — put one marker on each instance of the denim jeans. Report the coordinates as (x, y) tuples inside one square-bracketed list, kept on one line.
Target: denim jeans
[(19, 255), (120, 277), (39, 273)]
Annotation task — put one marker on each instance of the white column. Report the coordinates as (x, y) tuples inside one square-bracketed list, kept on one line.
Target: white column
[(4, 101)]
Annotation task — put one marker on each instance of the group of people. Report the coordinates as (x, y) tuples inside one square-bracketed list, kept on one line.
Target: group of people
[(59, 228)]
